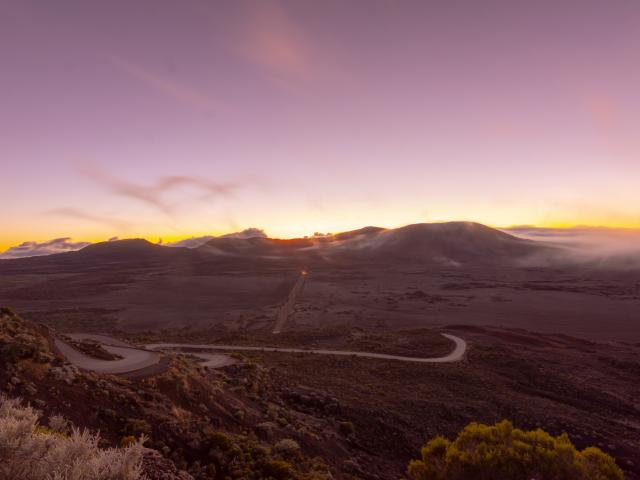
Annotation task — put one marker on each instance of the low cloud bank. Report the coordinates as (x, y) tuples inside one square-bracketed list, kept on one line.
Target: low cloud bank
[(61, 245), (195, 242), (607, 247), (35, 249)]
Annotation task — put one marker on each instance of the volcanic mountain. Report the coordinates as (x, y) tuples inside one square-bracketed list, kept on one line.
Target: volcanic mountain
[(130, 252), (451, 243)]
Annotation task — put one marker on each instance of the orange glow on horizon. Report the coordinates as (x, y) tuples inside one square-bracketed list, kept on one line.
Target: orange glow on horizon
[(297, 231)]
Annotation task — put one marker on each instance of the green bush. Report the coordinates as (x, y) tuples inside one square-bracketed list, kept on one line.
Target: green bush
[(277, 470), (7, 311), (12, 352), (346, 428), (136, 427), (489, 452), (217, 439)]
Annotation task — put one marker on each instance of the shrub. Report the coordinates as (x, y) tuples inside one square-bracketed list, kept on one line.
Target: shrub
[(12, 352), (278, 470), (128, 440), (7, 311), (137, 427), (287, 447), (217, 439), (30, 452), (346, 428), (488, 452), (19, 341)]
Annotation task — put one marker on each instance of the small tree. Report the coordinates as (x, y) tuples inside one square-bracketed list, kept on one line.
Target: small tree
[(489, 452)]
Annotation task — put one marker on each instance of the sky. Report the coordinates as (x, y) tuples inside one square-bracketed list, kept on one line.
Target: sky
[(166, 120)]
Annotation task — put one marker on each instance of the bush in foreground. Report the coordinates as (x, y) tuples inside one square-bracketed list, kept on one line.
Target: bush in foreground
[(489, 452), (33, 452)]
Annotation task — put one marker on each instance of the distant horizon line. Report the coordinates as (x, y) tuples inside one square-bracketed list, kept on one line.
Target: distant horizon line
[(68, 244)]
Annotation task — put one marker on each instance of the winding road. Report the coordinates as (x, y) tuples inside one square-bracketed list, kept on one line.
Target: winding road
[(136, 358), (456, 355), (133, 359)]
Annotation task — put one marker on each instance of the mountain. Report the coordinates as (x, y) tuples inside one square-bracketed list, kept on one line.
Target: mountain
[(125, 250), (103, 254), (449, 244), (446, 243), (457, 242)]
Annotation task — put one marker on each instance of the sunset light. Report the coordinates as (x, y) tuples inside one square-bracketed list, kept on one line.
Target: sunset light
[(319, 239)]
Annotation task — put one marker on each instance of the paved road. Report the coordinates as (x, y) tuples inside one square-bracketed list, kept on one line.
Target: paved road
[(133, 359), (456, 355), (285, 310)]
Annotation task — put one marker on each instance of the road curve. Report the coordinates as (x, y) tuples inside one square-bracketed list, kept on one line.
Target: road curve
[(133, 359), (455, 356)]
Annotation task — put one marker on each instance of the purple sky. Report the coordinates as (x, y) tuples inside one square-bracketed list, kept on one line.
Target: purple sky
[(171, 119)]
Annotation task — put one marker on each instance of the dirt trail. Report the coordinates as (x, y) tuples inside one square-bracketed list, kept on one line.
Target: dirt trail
[(285, 310)]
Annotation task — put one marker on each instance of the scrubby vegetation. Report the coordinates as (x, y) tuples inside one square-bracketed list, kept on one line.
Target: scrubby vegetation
[(487, 452), (17, 341), (30, 451), (306, 417)]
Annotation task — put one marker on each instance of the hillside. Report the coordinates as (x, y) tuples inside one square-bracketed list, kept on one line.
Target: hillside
[(309, 417), (452, 243)]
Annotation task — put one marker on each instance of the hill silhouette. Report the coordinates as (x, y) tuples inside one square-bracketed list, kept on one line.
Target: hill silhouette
[(449, 244)]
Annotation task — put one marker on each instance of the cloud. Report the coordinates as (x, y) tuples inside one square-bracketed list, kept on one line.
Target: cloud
[(154, 194), (74, 213), (195, 242), (185, 94), (34, 249), (247, 233), (615, 123), (595, 246), (272, 41)]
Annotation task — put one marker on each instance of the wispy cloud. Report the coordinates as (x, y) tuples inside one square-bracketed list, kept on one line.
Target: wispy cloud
[(35, 249), (272, 40), (154, 194), (615, 123), (163, 83)]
